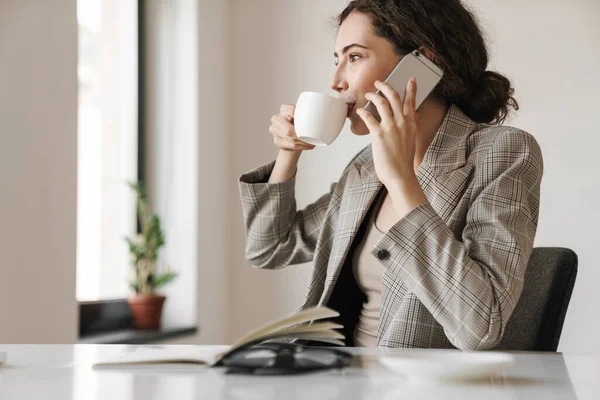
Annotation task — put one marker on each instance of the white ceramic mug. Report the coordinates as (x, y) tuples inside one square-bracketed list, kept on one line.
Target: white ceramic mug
[(319, 118)]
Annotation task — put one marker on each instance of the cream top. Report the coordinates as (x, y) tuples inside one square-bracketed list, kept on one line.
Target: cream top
[(368, 272)]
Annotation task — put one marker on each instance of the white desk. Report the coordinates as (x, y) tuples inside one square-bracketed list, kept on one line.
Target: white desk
[(54, 372)]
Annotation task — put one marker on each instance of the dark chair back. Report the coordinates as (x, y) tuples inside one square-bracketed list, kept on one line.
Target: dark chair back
[(537, 321)]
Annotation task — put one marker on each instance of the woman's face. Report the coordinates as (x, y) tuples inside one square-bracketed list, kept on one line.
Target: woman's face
[(361, 59)]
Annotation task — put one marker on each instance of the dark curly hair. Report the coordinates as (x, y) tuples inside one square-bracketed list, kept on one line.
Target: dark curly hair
[(452, 33)]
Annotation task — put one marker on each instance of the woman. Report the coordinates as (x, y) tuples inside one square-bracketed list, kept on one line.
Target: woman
[(425, 238)]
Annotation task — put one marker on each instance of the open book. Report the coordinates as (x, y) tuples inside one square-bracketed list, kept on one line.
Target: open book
[(296, 326)]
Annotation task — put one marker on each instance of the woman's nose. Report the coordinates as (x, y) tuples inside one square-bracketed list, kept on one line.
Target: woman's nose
[(338, 84)]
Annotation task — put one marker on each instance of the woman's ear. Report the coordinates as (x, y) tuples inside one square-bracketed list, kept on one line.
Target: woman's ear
[(428, 53)]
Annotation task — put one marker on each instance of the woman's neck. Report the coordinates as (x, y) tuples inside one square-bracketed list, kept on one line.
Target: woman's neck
[(431, 115)]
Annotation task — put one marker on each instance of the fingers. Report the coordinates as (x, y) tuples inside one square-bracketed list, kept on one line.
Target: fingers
[(370, 121), (383, 107), (411, 99), (288, 143), (288, 110), (286, 128), (391, 108), (284, 134), (394, 100)]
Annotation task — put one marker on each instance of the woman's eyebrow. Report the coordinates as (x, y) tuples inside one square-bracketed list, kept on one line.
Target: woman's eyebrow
[(345, 49)]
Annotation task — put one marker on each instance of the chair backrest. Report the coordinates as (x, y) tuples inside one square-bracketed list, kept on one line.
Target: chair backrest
[(537, 321)]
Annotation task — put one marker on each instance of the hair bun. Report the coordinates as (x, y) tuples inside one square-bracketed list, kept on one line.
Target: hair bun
[(489, 98)]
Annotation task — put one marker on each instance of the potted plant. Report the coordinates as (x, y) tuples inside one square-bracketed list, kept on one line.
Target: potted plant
[(146, 305)]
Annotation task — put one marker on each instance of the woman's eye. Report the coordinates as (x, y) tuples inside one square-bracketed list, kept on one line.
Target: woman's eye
[(353, 57)]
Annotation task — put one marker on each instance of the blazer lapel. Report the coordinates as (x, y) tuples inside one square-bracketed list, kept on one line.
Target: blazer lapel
[(361, 193), (444, 171)]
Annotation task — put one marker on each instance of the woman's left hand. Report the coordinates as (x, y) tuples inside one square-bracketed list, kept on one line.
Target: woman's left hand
[(393, 139)]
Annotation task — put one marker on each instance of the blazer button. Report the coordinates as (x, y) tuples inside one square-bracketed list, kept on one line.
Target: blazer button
[(383, 254)]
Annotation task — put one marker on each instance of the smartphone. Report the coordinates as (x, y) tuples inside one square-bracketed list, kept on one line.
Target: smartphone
[(413, 64)]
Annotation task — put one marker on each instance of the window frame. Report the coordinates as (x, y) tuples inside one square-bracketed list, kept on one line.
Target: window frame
[(106, 316)]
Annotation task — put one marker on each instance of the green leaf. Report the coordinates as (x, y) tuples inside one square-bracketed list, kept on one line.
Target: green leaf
[(138, 188), (165, 278), (137, 250), (134, 286), (153, 237)]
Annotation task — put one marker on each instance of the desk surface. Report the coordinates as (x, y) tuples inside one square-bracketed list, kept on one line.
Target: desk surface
[(64, 372)]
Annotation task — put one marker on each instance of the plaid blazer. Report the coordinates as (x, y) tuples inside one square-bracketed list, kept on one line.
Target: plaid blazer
[(454, 266)]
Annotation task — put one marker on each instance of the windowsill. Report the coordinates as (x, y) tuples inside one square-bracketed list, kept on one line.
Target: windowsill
[(134, 336)]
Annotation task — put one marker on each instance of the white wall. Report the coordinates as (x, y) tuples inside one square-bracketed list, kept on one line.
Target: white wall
[(188, 163), (548, 49), (214, 115), (182, 149), (551, 51), (38, 176)]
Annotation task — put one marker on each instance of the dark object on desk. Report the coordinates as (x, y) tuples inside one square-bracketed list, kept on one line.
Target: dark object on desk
[(537, 322), (274, 358)]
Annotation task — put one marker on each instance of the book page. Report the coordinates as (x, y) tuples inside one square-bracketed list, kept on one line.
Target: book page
[(295, 319), (198, 355), (316, 327), (323, 336)]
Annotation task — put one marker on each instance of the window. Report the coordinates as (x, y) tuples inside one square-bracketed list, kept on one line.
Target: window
[(107, 145)]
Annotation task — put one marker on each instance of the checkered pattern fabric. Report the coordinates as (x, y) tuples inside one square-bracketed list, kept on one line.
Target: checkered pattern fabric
[(455, 265)]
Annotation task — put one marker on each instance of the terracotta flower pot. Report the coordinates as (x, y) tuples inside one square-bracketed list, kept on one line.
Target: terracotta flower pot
[(146, 311)]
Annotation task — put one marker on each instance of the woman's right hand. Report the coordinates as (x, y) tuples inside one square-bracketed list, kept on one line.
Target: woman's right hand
[(283, 130)]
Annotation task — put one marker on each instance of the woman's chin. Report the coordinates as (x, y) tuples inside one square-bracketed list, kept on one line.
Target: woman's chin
[(358, 127)]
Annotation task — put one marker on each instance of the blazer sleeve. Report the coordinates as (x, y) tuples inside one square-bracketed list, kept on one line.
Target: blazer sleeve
[(471, 287), (278, 235)]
